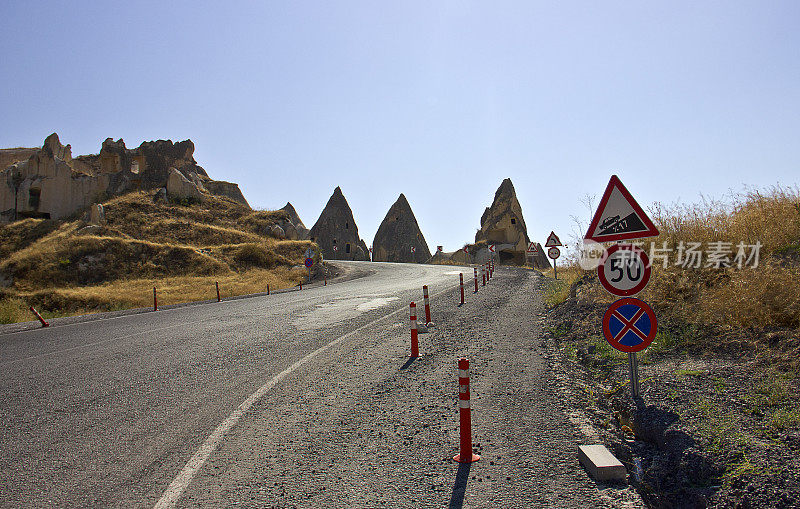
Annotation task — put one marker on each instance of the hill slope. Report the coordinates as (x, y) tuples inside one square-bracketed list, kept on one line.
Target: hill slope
[(182, 248)]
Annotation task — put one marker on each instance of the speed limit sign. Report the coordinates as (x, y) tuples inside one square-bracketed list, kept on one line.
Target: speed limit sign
[(624, 270)]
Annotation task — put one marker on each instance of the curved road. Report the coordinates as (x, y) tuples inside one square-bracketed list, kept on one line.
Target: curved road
[(297, 399), (107, 412)]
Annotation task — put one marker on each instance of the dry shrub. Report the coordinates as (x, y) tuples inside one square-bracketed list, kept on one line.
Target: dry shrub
[(771, 217), (13, 310), (766, 295)]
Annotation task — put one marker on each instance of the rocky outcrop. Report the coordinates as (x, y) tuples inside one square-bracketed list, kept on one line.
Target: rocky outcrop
[(337, 229), (228, 189), (398, 234), (48, 182), (502, 223), (180, 187), (296, 222), (9, 156), (47, 186)]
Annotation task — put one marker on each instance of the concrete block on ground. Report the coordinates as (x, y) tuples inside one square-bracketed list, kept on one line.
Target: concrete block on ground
[(601, 464)]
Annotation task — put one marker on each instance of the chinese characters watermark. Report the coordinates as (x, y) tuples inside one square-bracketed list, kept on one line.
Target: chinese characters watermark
[(694, 255)]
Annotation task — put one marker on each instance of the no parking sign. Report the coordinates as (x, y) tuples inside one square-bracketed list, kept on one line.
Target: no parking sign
[(629, 325)]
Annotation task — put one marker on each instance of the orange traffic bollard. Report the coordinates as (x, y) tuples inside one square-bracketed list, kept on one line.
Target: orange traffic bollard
[(427, 304), (414, 333), (44, 324), (465, 454)]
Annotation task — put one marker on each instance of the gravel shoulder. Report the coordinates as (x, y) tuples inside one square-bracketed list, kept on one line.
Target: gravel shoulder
[(364, 427), (718, 424)]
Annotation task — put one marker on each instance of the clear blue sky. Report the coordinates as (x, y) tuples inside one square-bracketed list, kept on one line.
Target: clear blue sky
[(438, 100)]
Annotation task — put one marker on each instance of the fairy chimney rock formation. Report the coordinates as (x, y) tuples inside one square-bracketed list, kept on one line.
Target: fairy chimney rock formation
[(336, 228), (297, 223), (502, 223), (48, 182), (398, 234)]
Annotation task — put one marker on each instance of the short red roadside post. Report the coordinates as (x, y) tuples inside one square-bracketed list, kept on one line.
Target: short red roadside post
[(465, 454), (461, 283), (483, 276), (267, 288), (155, 300), (301, 285), (44, 324), (414, 333), (427, 304), (476, 279), (219, 299)]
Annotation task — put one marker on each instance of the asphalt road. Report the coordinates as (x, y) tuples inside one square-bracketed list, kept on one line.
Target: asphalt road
[(106, 413), (232, 403)]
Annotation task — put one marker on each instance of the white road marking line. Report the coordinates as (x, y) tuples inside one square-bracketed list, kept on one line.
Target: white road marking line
[(181, 482)]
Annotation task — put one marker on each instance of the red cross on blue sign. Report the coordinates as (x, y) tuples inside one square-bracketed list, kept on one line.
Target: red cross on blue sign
[(629, 325)]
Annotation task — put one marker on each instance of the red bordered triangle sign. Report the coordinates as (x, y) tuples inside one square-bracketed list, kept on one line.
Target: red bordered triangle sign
[(619, 217), (553, 240)]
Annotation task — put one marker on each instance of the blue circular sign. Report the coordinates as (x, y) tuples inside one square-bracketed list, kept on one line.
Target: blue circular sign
[(309, 262), (629, 325)]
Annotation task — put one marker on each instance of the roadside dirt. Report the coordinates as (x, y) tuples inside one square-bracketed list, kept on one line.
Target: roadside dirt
[(718, 424), (367, 427)]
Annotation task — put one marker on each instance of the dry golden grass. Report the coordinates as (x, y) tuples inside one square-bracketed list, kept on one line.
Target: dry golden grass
[(771, 217), (68, 268), (763, 296)]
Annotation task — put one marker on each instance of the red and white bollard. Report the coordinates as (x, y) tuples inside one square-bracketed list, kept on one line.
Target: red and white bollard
[(476, 279), (44, 324), (155, 300), (483, 276), (414, 333), (461, 283), (219, 299), (427, 303), (465, 454)]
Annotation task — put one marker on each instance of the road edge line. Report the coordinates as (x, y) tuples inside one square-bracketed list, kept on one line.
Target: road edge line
[(179, 484)]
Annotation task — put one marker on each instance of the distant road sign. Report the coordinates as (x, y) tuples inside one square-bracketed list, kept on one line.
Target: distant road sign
[(413, 249), (553, 240), (440, 248), (531, 248), (335, 248), (309, 253), (309, 262), (629, 325), (619, 217), (624, 270), (493, 248), (553, 253)]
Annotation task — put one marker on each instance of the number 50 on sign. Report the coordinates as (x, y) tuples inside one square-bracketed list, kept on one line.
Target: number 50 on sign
[(624, 270)]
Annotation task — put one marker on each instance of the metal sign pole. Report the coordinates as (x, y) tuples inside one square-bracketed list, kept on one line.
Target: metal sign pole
[(555, 271), (633, 363)]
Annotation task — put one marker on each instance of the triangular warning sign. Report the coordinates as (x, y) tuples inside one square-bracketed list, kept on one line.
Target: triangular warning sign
[(553, 240), (619, 217)]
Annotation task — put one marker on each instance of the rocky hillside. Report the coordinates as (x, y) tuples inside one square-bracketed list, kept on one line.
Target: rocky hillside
[(112, 256)]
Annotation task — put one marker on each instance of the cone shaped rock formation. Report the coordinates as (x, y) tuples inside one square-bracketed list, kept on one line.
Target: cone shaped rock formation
[(337, 228), (398, 234), (502, 224)]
